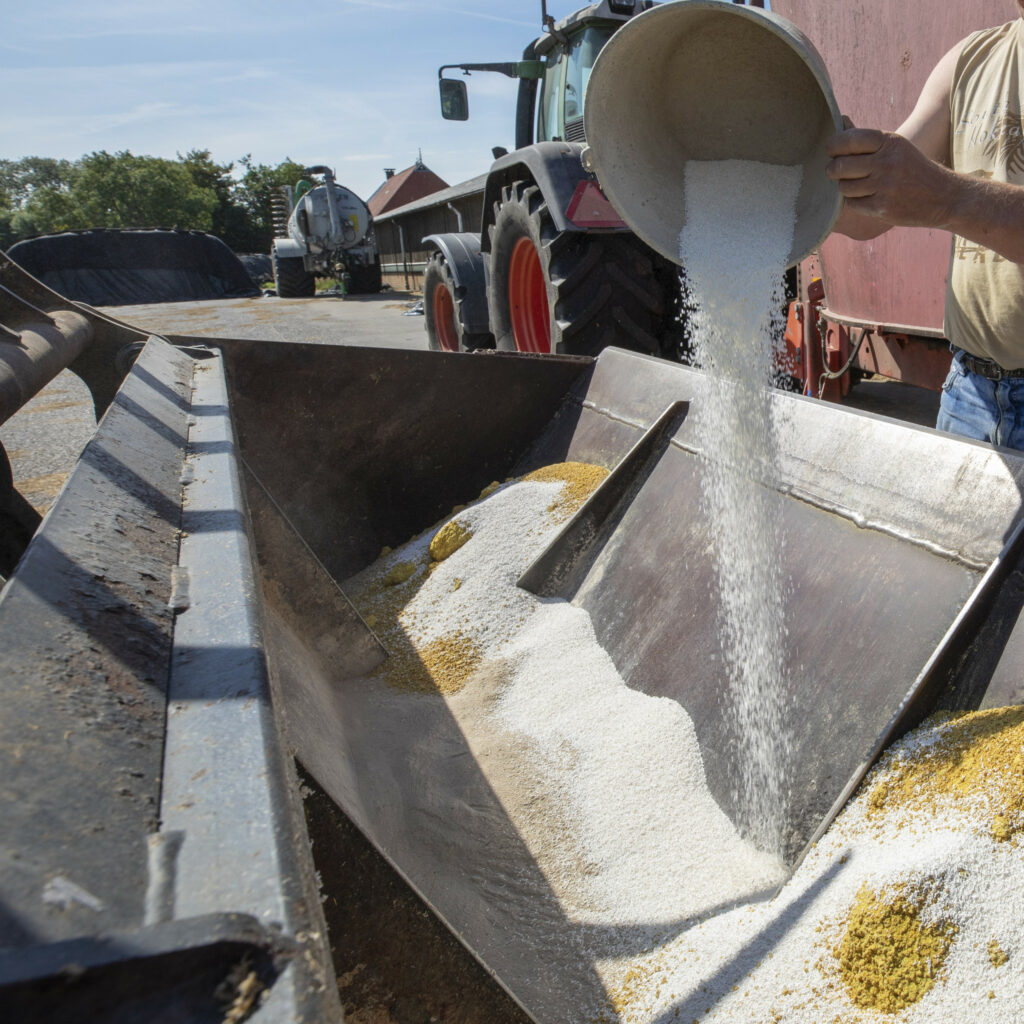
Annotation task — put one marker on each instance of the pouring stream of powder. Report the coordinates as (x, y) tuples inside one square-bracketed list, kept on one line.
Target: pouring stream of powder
[(734, 247)]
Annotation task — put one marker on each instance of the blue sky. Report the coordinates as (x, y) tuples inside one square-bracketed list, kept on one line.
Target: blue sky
[(349, 83)]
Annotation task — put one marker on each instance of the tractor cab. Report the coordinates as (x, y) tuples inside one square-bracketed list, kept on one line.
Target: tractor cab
[(567, 67), (559, 62)]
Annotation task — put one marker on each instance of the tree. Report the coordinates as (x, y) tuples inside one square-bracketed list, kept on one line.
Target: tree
[(46, 210), (42, 180), (128, 191), (103, 191), (42, 195), (7, 235), (7, 211), (254, 193), (230, 221), (21, 179)]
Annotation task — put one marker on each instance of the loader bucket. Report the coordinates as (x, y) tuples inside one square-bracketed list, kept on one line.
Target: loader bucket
[(200, 560), (895, 570)]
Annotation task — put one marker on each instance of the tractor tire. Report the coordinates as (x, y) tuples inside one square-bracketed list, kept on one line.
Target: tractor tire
[(570, 292), (291, 278), (441, 300), (366, 279)]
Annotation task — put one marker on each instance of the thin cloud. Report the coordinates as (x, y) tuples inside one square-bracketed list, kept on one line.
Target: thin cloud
[(405, 5), (178, 91)]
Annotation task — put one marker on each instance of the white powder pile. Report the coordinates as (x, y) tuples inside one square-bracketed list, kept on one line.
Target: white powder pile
[(909, 910), (734, 247), (627, 772), (604, 784)]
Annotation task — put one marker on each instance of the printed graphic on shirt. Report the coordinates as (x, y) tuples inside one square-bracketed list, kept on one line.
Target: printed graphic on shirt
[(1000, 134), (976, 253), (1005, 143)]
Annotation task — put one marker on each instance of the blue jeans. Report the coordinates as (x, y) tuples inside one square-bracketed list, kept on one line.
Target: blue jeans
[(986, 410)]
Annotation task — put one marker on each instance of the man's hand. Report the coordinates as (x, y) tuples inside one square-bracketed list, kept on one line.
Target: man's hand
[(885, 176)]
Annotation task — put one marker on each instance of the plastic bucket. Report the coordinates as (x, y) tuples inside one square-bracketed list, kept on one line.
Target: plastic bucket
[(709, 80)]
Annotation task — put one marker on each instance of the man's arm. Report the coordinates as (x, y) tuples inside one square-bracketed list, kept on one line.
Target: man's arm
[(903, 187), (990, 213), (887, 176), (903, 178)]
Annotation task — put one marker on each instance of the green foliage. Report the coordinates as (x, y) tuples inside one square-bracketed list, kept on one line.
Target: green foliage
[(40, 181), (126, 191), (255, 190), (7, 236), (230, 221), (41, 195), (19, 179)]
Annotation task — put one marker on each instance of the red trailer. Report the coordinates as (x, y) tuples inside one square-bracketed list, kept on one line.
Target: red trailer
[(876, 307)]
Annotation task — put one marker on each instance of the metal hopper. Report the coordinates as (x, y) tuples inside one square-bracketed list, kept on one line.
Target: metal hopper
[(179, 625)]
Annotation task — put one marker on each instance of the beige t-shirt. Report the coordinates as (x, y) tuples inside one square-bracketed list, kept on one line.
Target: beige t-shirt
[(985, 296)]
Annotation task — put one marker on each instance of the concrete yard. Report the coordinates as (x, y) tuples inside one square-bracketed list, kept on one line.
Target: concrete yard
[(357, 320), (45, 438)]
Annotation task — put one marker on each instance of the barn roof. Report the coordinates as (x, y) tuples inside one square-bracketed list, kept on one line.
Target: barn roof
[(405, 187)]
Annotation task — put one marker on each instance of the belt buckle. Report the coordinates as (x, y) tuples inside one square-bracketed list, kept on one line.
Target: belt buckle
[(984, 367)]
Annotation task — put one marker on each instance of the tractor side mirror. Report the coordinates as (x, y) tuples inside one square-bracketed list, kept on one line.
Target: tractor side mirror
[(454, 99)]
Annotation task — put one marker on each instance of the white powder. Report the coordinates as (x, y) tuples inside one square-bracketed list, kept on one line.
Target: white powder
[(605, 787), (628, 768), (776, 961), (733, 247), (604, 784)]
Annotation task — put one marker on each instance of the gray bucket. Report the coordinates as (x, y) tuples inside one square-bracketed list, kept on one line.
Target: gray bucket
[(709, 80)]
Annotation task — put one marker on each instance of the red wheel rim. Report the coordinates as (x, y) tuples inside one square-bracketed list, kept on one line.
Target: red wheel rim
[(444, 319), (528, 299)]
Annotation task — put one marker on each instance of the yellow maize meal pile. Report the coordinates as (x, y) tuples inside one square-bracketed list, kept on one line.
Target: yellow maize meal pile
[(581, 479), (448, 540), (996, 954), (975, 764), (890, 955)]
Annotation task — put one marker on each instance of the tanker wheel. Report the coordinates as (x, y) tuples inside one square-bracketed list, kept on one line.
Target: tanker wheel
[(570, 292), (445, 331), (366, 279), (291, 278)]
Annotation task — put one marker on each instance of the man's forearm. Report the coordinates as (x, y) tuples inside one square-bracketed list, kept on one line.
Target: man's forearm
[(990, 213)]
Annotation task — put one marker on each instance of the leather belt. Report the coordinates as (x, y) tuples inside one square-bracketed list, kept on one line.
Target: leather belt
[(986, 367)]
